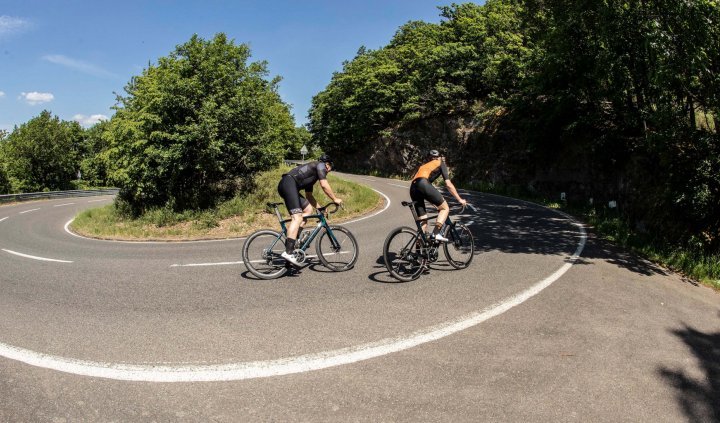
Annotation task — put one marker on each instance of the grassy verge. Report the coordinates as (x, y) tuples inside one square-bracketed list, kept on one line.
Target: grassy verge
[(237, 217), (690, 262)]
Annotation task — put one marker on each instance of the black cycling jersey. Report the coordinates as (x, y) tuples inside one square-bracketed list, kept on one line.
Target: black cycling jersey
[(306, 175)]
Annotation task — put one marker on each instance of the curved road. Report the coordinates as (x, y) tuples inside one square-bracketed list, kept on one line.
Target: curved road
[(95, 330)]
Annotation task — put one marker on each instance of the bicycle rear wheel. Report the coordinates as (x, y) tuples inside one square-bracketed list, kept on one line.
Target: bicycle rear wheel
[(338, 256), (261, 254), (402, 254), (460, 249)]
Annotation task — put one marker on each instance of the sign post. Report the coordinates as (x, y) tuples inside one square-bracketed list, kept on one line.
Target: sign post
[(303, 151)]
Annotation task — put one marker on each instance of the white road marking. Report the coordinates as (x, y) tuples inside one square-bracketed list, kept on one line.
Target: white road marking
[(66, 204), (3, 218), (222, 263), (289, 365), (398, 185), (229, 263), (28, 211), (387, 205), (96, 201), (36, 257), (67, 229)]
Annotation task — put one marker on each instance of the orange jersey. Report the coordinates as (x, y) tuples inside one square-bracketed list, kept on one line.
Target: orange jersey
[(432, 170)]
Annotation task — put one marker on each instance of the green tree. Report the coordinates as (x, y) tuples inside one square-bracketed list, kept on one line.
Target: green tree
[(42, 154), (94, 162), (194, 126)]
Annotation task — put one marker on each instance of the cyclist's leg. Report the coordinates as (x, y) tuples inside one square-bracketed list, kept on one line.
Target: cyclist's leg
[(307, 210), (434, 196), (417, 196), (287, 188)]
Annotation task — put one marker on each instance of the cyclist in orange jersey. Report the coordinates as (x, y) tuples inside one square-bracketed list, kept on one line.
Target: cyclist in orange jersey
[(422, 189)]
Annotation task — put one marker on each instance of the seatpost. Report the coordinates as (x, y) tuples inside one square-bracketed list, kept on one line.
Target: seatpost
[(277, 213), (414, 212)]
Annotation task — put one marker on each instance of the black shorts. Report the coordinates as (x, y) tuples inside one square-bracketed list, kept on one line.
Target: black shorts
[(288, 190), (420, 190)]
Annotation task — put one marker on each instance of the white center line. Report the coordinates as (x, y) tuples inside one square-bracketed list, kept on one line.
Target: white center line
[(66, 204), (35, 257), (3, 219), (95, 201), (401, 186), (28, 211)]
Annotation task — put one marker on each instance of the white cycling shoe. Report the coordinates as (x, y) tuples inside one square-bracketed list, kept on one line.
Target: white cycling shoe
[(290, 258), (440, 238)]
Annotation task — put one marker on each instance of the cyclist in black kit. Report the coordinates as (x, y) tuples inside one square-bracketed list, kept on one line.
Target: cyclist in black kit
[(422, 189), (303, 177)]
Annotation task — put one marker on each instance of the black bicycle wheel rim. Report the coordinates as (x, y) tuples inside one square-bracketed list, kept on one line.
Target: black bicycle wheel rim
[(260, 259), (402, 259), (337, 259), (460, 250)]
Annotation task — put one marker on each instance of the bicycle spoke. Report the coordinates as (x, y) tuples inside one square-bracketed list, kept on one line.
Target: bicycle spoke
[(403, 254), (340, 255), (261, 254)]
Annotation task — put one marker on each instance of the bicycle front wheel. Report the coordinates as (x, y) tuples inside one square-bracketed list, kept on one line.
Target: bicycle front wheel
[(261, 254), (460, 249), (339, 254), (403, 255)]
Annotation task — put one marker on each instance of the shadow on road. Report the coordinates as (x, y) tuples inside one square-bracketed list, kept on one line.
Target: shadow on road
[(698, 397), (504, 225)]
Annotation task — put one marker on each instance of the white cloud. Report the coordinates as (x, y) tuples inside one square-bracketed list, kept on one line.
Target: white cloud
[(89, 120), (79, 65), (11, 25), (2, 94), (35, 97)]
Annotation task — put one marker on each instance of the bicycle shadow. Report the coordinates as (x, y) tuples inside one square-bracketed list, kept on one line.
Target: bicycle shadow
[(384, 276)]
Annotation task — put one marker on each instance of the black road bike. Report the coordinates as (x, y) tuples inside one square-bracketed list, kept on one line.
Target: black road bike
[(335, 246), (408, 252)]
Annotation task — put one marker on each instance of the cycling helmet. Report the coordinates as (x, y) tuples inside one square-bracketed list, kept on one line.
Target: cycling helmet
[(326, 159), (433, 154)]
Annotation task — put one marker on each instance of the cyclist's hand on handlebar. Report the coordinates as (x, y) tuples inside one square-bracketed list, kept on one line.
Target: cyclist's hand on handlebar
[(339, 201)]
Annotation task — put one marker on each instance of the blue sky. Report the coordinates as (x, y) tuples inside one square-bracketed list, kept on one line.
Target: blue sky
[(69, 57)]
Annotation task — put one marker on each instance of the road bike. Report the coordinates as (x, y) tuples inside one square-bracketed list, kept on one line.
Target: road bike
[(409, 252), (335, 246)]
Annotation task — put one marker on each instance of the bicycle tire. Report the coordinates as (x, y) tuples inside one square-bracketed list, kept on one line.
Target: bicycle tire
[(265, 246), (459, 252), (333, 258), (400, 255)]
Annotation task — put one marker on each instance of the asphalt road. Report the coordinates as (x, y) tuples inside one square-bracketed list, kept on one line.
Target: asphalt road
[(107, 331)]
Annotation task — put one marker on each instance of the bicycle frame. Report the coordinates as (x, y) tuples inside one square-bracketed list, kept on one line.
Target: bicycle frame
[(322, 223), (423, 235)]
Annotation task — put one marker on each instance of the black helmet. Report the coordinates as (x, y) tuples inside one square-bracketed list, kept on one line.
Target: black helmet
[(326, 159), (434, 154)]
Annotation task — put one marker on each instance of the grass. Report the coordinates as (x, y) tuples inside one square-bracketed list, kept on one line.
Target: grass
[(693, 263), (237, 217)]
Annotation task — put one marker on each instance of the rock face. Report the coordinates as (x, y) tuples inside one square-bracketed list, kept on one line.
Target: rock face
[(482, 153)]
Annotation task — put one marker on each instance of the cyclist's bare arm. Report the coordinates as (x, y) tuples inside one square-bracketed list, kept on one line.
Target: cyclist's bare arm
[(311, 198), (451, 187), (325, 185)]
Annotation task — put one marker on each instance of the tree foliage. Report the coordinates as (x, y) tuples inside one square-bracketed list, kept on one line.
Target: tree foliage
[(633, 85), (42, 154), (196, 124)]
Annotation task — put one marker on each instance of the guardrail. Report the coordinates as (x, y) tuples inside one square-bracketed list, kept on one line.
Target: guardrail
[(8, 198), (295, 162)]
